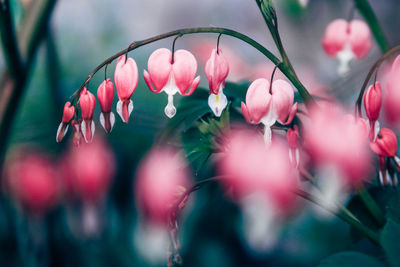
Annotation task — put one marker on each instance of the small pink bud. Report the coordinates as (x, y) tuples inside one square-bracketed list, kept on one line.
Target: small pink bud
[(385, 144), (171, 77), (292, 137), (372, 105), (87, 101), (68, 113), (160, 179), (105, 95), (126, 78)]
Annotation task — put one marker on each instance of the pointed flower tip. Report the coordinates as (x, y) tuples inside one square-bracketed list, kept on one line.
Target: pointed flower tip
[(124, 109)]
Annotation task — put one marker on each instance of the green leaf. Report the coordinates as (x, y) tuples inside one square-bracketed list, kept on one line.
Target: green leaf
[(390, 240), (350, 259)]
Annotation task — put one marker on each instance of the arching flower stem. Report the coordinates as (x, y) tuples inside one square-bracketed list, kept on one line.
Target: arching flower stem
[(286, 70)]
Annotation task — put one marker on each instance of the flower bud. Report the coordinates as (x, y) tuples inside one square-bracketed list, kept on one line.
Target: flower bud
[(105, 95), (87, 101), (126, 78), (68, 113)]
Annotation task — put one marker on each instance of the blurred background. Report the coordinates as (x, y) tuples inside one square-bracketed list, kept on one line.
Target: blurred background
[(84, 33)]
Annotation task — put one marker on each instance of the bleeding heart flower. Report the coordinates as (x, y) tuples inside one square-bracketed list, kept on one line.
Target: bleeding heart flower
[(263, 106), (347, 40), (392, 97), (105, 95), (171, 76), (32, 178), (87, 101), (372, 105), (126, 78), (217, 69), (338, 141), (385, 144), (68, 113), (158, 188)]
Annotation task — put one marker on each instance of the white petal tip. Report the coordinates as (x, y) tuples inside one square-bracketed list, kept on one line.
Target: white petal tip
[(217, 103)]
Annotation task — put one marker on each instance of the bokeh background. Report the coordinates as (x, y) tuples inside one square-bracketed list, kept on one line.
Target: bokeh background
[(84, 33)]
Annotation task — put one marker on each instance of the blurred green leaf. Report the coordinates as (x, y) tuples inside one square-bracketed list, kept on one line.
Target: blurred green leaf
[(390, 242), (350, 259)]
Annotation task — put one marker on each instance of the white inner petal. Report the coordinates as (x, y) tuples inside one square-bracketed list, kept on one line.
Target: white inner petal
[(303, 3), (170, 109), (218, 102), (170, 88), (344, 57)]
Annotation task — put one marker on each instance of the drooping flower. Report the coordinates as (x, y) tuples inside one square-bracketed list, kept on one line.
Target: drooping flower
[(372, 105), (263, 106), (338, 140), (217, 69), (87, 102), (68, 113), (105, 95), (385, 146), (33, 181), (262, 180), (392, 98), (347, 40), (126, 78), (171, 73)]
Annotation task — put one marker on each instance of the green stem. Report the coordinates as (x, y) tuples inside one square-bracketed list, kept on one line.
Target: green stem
[(344, 214), (9, 41), (283, 67), (33, 30), (371, 205), (268, 12), (367, 12)]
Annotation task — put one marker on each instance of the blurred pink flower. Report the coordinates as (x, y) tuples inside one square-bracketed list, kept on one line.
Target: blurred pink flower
[(33, 181), (292, 136), (249, 167), (105, 95), (217, 69), (336, 139), (68, 113), (171, 74), (347, 40), (89, 171), (385, 144), (87, 101), (162, 177), (391, 100), (126, 78)]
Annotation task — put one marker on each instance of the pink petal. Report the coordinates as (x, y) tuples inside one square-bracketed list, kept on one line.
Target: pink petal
[(184, 68), (216, 69), (335, 37), (258, 99), (282, 98), (193, 86), (149, 83), (126, 77), (159, 66), (105, 95), (360, 38), (246, 115)]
